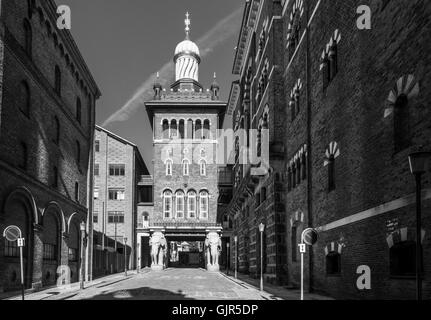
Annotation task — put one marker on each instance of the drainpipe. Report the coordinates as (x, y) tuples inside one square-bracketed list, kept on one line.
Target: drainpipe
[(309, 141)]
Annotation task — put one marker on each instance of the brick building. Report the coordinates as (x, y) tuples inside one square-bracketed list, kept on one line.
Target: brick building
[(47, 114), (353, 106), (118, 167), (185, 119)]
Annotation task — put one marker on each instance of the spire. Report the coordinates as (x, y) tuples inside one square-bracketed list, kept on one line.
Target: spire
[(157, 88), (215, 88), (188, 23)]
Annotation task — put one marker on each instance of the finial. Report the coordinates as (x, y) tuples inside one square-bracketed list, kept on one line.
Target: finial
[(215, 75), (158, 75), (187, 22)]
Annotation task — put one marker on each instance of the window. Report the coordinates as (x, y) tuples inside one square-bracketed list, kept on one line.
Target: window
[(49, 251), (198, 129), (76, 191), (203, 200), (294, 239), (331, 173), (11, 249), (169, 167), (78, 154), (165, 129), (191, 204), (182, 129), (174, 129), (97, 146), (96, 169), (117, 170), (115, 217), (402, 259), (78, 110), (55, 177), (333, 62), (25, 98), (28, 37), (96, 193), (116, 194), (263, 193), (401, 123), (333, 263), (24, 156), (95, 217), (180, 204), (206, 131), (167, 204), (203, 168), (56, 130), (73, 254), (57, 85), (304, 166), (186, 167)]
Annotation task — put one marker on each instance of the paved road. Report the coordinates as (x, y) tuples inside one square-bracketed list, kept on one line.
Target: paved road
[(171, 284)]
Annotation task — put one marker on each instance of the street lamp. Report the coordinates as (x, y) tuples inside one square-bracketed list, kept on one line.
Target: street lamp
[(227, 257), (261, 229), (82, 227), (418, 165), (236, 256), (125, 256)]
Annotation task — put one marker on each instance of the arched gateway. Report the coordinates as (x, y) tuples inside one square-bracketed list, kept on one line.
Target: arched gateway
[(182, 229)]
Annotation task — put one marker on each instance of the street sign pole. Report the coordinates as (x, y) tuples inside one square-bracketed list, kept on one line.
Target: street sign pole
[(12, 234), (308, 237), (302, 249), (21, 258)]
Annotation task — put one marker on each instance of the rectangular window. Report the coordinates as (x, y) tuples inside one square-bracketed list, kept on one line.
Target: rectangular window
[(96, 169), (95, 217), (115, 217), (96, 193), (97, 146), (117, 170), (73, 254), (116, 194), (11, 249), (49, 251)]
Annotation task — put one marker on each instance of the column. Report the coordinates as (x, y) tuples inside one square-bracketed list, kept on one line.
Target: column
[(37, 257)]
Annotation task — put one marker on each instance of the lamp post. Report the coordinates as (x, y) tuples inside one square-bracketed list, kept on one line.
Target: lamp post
[(82, 228), (261, 229), (125, 256), (418, 165), (236, 256), (227, 257)]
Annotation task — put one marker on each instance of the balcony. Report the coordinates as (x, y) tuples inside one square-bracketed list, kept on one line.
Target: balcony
[(146, 181)]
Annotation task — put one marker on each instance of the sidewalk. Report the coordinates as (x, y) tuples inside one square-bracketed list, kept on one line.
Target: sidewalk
[(65, 292), (277, 291)]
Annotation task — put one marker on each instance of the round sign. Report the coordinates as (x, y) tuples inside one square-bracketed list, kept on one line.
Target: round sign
[(12, 233), (309, 236)]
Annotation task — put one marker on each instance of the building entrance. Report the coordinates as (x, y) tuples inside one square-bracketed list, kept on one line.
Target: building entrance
[(186, 254)]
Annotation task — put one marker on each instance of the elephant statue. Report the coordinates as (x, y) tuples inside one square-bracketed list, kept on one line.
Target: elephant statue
[(213, 247), (158, 245)]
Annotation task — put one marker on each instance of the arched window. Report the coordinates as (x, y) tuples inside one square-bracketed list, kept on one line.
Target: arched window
[(76, 191), (78, 154), (78, 110), (294, 175), (298, 171), (28, 37), (294, 240), (333, 263), (198, 129), (401, 123), (190, 129), (191, 204), (56, 130), (289, 179), (206, 131), (25, 97), (203, 168), (54, 177), (179, 198), (263, 194), (174, 129), (203, 205), (186, 167), (24, 156), (182, 129), (57, 85), (333, 61), (168, 167), (167, 204), (304, 166), (165, 129)]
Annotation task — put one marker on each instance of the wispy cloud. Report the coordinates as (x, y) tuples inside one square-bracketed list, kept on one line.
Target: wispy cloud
[(222, 31)]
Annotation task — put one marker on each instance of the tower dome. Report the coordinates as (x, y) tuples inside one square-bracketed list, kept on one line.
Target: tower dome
[(187, 57)]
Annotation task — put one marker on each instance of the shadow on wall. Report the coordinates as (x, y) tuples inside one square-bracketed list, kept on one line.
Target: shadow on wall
[(144, 293)]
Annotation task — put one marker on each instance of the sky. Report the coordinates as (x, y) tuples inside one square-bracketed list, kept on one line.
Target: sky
[(125, 43)]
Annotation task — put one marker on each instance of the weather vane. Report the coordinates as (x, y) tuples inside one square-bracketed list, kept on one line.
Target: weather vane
[(187, 21)]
